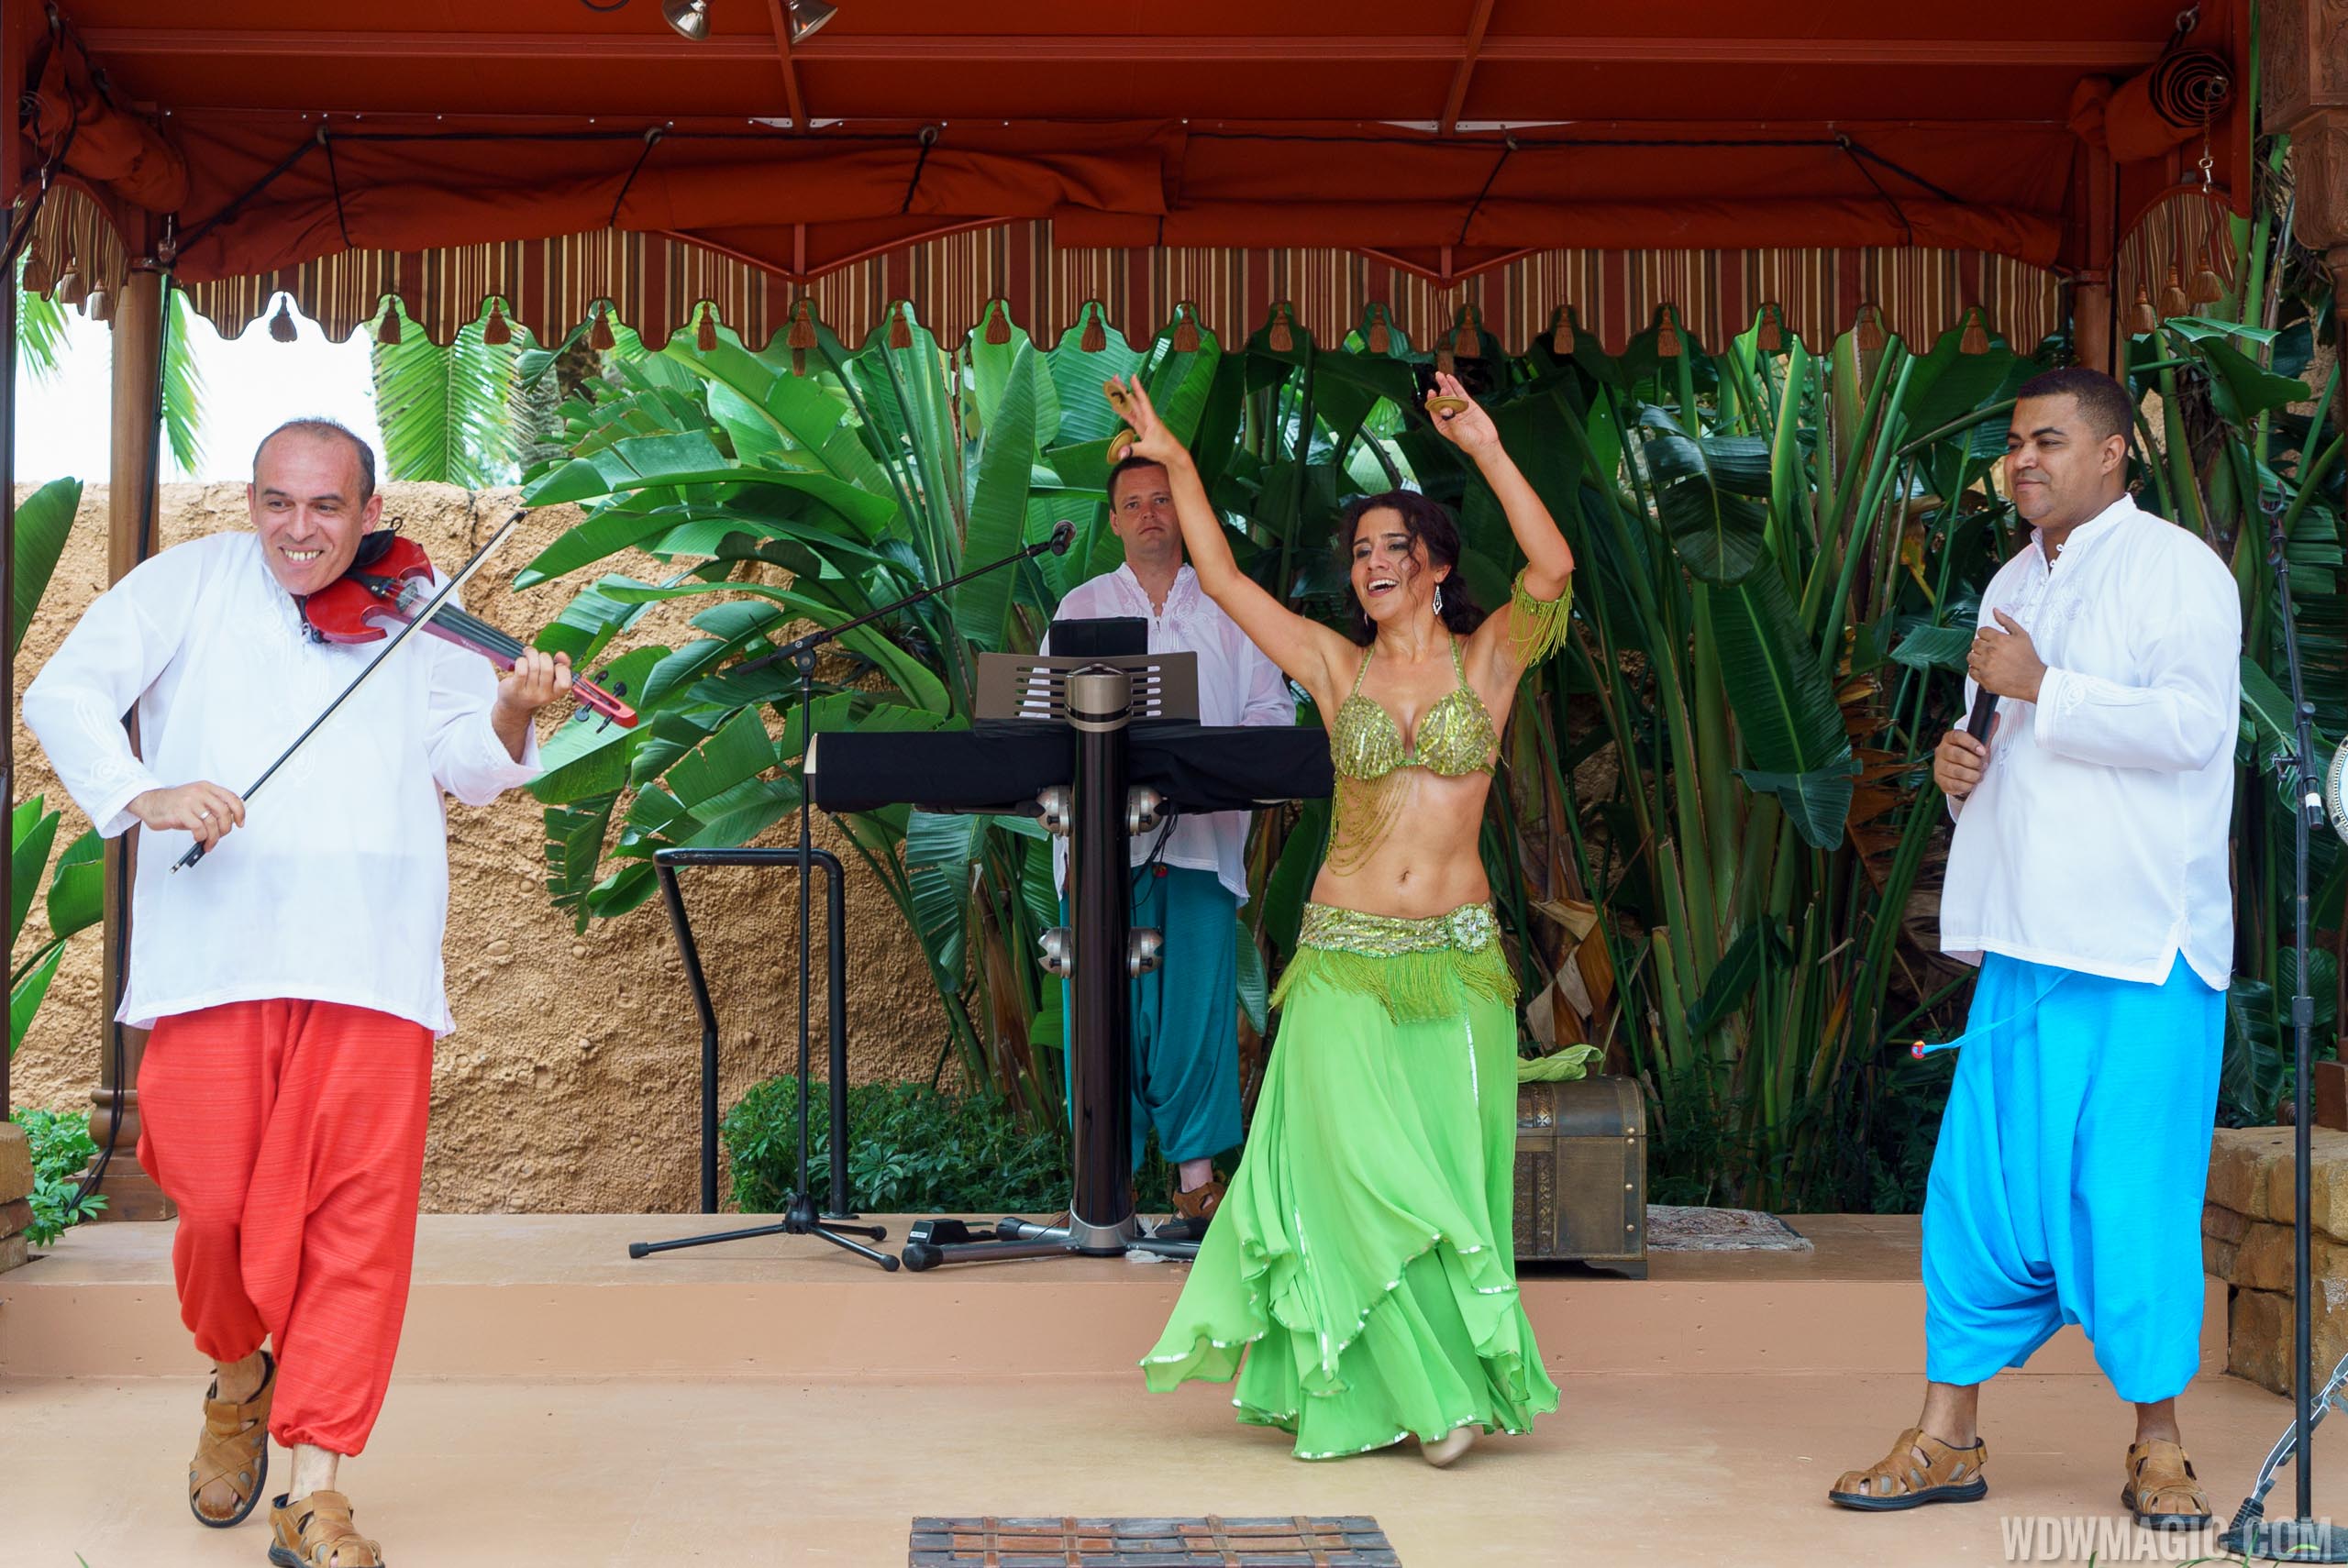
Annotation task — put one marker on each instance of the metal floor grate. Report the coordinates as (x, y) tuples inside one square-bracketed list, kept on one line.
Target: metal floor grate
[(1347, 1541)]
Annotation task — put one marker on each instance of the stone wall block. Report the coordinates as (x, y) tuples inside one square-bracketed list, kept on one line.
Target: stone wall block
[(2241, 1161), (2328, 1183), (2259, 1337), (2263, 1259), (16, 1163)]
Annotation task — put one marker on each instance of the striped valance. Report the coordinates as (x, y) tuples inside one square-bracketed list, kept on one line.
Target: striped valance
[(661, 285)]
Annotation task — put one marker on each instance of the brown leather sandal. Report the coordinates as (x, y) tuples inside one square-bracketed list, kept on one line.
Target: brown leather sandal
[(1193, 1210), (318, 1532), (233, 1449), (1922, 1469), (2161, 1490)]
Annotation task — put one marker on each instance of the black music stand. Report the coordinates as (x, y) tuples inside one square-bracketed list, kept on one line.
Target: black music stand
[(800, 1217), (1099, 698)]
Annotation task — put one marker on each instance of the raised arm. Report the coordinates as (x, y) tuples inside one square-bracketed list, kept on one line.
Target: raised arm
[(1548, 559), (1307, 651)]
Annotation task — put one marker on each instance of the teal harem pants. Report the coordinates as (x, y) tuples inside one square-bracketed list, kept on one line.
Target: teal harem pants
[(2067, 1184), (1185, 1017)]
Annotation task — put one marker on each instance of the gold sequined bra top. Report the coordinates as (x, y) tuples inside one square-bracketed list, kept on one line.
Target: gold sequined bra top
[(1456, 735)]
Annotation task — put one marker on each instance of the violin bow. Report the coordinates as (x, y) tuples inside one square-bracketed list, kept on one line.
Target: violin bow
[(455, 585)]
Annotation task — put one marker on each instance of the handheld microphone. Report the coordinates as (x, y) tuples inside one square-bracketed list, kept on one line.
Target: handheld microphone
[(1976, 724), (1063, 536), (1985, 709)]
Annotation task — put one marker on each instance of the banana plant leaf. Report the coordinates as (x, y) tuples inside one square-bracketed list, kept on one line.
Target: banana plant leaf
[(998, 510), (1705, 492), (1787, 717), (77, 887), (2250, 1076), (28, 989), (32, 833), (1933, 647), (44, 519)]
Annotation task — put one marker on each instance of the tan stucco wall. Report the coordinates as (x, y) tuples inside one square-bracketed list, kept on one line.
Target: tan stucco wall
[(572, 1082)]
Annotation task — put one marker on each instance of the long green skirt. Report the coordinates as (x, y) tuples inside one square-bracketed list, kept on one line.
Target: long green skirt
[(1359, 1278)]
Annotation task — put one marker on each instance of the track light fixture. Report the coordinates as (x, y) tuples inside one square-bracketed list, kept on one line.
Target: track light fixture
[(690, 18), (806, 15)]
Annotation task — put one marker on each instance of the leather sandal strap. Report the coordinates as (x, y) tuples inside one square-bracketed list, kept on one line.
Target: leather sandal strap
[(232, 1438), (1900, 1472), (324, 1532), (2159, 1468), (1200, 1203), (234, 1459)]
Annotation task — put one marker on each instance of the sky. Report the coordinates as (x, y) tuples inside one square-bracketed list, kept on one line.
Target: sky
[(252, 385)]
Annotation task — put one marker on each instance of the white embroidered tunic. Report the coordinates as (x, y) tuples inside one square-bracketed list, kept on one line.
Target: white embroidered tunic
[(2096, 840), (1237, 685), (336, 887)]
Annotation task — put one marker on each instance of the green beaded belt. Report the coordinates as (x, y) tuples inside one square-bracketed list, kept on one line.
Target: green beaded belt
[(1470, 928)]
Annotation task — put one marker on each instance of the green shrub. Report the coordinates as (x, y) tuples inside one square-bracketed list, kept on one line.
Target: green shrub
[(911, 1149), (61, 1152)]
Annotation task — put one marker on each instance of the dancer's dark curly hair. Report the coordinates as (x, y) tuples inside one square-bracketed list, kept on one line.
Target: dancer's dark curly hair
[(1428, 524)]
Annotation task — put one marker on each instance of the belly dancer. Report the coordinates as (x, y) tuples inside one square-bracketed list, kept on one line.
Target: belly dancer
[(1360, 1281)]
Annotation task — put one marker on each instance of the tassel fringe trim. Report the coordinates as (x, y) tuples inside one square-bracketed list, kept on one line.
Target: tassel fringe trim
[(1413, 988), (1537, 628)]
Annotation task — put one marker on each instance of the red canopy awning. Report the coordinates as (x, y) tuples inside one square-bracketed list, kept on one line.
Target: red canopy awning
[(1439, 138)]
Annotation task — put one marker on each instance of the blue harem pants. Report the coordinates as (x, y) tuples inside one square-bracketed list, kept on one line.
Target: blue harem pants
[(2067, 1186), (1185, 1017)]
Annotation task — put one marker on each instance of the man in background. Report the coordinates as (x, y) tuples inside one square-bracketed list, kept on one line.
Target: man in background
[(1191, 879)]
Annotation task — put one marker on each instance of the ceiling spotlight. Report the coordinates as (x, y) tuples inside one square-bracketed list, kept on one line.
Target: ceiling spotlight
[(691, 17), (806, 15)]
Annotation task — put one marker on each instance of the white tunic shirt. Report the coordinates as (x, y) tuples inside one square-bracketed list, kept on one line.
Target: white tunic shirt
[(336, 887), (1237, 685), (2096, 840)]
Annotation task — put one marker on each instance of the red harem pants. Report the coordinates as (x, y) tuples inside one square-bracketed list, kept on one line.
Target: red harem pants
[(291, 1135)]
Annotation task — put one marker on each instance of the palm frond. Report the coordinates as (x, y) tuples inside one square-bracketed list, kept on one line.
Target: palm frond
[(182, 389), (446, 414), (40, 331)]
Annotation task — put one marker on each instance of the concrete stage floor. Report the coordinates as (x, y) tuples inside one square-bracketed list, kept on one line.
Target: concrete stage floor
[(774, 1403)]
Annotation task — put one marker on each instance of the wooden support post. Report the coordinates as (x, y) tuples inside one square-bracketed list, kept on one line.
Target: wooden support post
[(12, 62), (2307, 98), (131, 1193), (2092, 321), (2093, 339)]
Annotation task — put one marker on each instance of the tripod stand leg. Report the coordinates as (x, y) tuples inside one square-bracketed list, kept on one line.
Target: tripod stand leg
[(645, 1249), (832, 1233)]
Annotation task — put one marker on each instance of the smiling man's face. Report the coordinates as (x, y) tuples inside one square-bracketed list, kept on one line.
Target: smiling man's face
[(305, 506), (2058, 470)]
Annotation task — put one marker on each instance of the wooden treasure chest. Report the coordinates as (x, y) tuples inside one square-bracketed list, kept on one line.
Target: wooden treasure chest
[(1581, 1173)]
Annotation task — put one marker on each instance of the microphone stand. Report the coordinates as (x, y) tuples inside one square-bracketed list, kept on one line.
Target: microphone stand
[(2302, 1538), (800, 1216)]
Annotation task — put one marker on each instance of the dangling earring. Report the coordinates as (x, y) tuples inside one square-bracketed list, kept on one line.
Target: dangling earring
[(1438, 598)]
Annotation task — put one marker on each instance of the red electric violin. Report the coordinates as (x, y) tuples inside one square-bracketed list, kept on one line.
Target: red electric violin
[(388, 592), (389, 583)]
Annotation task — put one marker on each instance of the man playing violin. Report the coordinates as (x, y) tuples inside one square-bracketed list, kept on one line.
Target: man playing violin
[(291, 977)]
